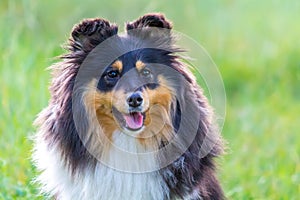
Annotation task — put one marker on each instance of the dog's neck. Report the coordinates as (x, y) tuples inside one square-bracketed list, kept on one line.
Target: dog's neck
[(127, 153)]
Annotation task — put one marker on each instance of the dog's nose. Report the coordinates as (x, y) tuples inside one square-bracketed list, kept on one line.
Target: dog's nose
[(135, 100)]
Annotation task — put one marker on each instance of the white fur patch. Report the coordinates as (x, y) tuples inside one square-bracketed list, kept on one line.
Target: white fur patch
[(103, 183)]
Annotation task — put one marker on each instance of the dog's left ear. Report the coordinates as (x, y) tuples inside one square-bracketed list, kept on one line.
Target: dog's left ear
[(150, 20)]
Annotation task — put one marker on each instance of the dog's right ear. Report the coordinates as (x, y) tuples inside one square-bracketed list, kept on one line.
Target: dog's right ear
[(89, 33), (157, 20)]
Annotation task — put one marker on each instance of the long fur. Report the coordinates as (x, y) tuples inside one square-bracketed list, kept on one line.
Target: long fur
[(69, 171)]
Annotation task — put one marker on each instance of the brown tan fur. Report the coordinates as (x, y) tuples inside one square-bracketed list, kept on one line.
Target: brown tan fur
[(118, 65), (139, 65)]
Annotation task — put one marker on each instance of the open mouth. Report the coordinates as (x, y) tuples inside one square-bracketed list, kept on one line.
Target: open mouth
[(133, 121)]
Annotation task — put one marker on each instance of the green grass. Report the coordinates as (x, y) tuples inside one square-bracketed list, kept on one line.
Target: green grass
[(255, 44)]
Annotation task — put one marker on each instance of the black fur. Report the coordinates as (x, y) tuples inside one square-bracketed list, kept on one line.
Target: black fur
[(150, 20)]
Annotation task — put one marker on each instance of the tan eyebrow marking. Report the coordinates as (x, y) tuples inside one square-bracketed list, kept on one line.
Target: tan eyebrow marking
[(118, 65), (139, 65)]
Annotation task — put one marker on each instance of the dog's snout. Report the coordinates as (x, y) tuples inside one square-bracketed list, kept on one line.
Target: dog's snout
[(135, 100)]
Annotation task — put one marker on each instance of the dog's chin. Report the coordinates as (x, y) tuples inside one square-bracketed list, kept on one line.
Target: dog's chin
[(131, 122)]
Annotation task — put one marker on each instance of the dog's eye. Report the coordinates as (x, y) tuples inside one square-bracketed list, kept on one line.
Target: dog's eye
[(146, 72), (113, 74)]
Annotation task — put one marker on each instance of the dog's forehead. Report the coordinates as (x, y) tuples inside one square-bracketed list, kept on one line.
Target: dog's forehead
[(134, 49), (136, 59), (137, 53), (126, 62)]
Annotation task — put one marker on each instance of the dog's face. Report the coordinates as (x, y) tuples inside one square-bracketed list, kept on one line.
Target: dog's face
[(133, 94)]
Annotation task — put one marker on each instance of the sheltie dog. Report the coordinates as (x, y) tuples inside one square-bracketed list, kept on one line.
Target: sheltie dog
[(126, 118)]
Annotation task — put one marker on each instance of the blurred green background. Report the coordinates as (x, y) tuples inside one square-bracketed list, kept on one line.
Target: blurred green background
[(255, 44)]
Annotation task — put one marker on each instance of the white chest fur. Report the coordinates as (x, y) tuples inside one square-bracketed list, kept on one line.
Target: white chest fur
[(102, 183)]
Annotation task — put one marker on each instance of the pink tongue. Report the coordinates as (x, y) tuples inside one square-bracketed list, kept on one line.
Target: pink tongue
[(134, 120)]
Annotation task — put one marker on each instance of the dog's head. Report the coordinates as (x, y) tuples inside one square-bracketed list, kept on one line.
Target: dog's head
[(136, 91)]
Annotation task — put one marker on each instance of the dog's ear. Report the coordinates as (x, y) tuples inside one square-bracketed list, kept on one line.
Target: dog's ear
[(90, 32), (150, 20)]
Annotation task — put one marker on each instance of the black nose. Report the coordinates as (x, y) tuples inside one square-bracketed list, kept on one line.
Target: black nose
[(135, 100)]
